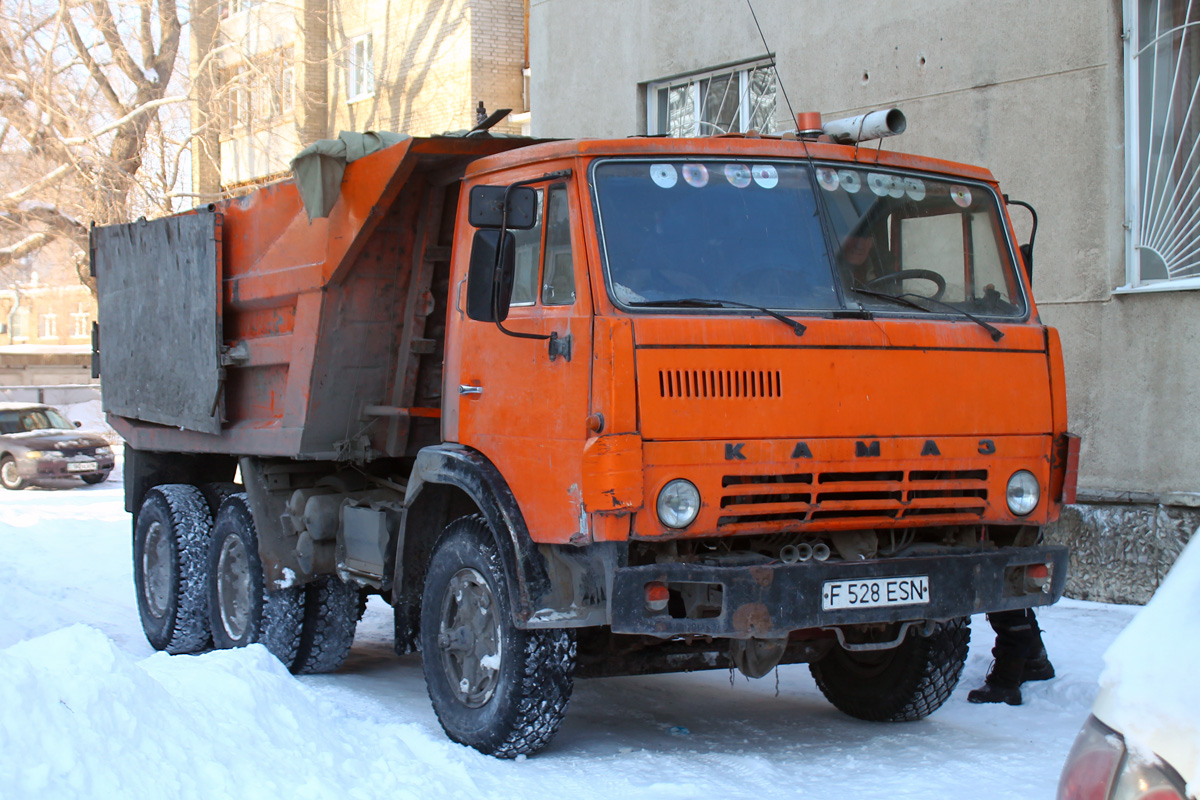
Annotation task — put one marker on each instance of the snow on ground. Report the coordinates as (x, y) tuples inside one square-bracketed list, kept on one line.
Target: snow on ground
[(88, 710)]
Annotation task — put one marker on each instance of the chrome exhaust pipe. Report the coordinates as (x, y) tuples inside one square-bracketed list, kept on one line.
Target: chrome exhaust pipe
[(820, 551)]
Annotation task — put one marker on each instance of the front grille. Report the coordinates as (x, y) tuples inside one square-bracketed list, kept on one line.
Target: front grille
[(90, 450), (719, 383), (786, 501)]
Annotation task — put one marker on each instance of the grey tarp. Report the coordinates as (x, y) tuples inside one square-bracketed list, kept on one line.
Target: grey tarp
[(320, 166)]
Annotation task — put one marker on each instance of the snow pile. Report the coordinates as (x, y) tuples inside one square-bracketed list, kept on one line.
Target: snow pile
[(83, 719), (1150, 677)]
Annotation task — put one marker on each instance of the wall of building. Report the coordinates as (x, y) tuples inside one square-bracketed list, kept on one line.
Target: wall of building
[(433, 61), (1032, 90), (53, 315)]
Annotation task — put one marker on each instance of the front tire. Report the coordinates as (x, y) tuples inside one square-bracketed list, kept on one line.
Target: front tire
[(92, 480), (170, 559), (494, 687), (905, 683), (10, 475)]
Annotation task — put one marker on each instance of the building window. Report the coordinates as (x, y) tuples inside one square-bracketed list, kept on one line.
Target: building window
[(79, 323), (1162, 119), (360, 69), (287, 90), (20, 325), (730, 100), (49, 326)]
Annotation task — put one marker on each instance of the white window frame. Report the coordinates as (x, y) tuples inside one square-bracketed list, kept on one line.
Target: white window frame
[(743, 70), (49, 326), (20, 327), (355, 60), (1134, 190), (79, 323)]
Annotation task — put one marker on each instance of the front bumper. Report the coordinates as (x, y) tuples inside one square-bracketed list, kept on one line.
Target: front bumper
[(771, 600), (70, 467)]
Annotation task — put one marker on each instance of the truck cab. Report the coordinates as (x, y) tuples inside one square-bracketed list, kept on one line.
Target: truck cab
[(764, 350)]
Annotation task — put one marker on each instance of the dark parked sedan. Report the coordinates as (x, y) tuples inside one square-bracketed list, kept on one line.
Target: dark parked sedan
[(38, 443)]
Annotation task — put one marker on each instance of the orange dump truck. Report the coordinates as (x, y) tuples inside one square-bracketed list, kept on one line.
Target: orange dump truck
[(587, 408)]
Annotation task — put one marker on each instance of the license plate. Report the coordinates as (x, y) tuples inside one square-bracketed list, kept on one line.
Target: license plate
[(82, 466), (872, 592)]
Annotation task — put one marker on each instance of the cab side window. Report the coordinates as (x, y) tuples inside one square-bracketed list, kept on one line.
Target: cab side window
[(529, 259), (558, 278)]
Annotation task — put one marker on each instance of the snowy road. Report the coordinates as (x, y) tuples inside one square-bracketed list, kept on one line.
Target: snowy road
[(87, 709)]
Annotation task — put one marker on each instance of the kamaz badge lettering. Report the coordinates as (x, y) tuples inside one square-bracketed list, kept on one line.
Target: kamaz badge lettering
[(865, 449), (986, 447), (801, 451), (930, 448), (733, 452)]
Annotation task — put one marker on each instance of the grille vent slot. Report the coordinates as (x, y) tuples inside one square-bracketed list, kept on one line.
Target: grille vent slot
[(720, 383), (771, 502)]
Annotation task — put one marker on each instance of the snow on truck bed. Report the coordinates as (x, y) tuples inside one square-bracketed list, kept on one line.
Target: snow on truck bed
[(88, 710)]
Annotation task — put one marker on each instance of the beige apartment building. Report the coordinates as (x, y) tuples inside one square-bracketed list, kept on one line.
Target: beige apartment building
[(272, 76), (1087, 109)]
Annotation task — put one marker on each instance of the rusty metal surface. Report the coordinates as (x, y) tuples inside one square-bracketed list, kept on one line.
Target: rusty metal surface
[(789, 599), (160, 320)]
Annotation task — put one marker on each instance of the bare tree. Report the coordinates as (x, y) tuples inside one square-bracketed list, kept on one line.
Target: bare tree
[(88, 127)]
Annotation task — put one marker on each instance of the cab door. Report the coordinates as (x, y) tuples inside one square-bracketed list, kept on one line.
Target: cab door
[(521, 402)]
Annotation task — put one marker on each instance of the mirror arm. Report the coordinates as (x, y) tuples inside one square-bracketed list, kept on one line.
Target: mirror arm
[(562, 173)]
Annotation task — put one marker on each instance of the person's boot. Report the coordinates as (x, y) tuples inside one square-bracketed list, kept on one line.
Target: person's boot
[(1003, 682), (1038, 667)]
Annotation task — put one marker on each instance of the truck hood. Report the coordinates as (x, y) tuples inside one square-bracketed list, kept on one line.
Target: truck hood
[(739, 378)]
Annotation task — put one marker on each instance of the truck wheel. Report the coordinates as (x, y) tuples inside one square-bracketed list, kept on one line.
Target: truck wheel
[(10, 475), (170, 567), (217, 493), (243, 611), (898, 685), (494, 687), (330, 618)]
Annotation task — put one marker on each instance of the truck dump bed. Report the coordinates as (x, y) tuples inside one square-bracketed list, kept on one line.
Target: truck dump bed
[(246, 328)]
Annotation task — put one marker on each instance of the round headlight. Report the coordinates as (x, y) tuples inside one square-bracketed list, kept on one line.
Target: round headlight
[(1023, 493), (678, 504), (104, 451)]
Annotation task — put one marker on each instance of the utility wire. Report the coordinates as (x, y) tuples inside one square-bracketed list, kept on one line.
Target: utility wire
[(774, 62)]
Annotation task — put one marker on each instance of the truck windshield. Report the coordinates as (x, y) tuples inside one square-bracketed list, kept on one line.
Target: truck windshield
[(751, 233), (919, 238), (747, 233)]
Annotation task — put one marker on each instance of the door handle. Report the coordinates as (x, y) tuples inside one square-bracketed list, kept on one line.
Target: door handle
[(465, 389)]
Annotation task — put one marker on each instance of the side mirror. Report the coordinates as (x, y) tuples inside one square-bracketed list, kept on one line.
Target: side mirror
[(78, 424), (487, 280), (486, 207)]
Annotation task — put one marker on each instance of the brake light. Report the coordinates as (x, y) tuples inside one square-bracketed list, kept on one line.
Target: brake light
[(1092, 763)]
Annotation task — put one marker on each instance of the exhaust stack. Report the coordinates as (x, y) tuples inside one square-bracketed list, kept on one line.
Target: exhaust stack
[(876, 125)]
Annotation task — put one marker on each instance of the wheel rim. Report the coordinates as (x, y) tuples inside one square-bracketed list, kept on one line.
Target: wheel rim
[(156, 569), (469, 638), (9, 473), (233, 587)]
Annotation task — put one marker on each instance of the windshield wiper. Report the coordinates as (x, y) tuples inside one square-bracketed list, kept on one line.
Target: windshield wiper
[(902, 299), (695, 302)]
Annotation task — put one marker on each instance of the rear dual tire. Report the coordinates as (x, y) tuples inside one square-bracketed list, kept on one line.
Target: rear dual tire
[(308, 628), (171, 538)]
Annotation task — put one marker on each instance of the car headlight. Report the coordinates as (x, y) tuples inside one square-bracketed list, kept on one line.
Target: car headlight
[(39, 454), (678, 504), (1023, 493), (104, 451)]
